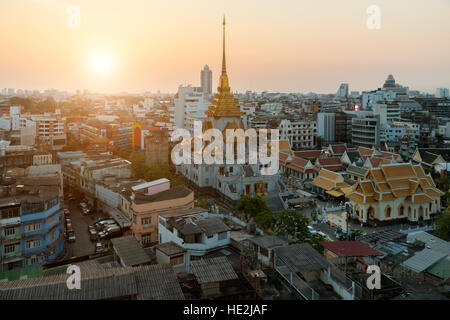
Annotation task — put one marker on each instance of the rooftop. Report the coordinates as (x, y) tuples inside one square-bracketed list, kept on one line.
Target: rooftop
[(350, 248), (130, 251), (269, 241), (213, 270), (301, 257), (170, 248)]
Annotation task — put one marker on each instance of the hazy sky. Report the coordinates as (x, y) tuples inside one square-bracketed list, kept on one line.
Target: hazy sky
[(276, 45)]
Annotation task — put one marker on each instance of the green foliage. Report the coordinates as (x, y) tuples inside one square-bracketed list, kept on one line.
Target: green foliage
[(265, 220), (141, 170), (443, 225), (250, 207), (292, 223), (443, 183)]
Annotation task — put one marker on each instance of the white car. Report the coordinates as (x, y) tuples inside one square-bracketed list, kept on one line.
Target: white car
[(312, 230)]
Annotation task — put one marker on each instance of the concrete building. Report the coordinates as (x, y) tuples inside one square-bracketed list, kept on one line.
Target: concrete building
[(326, 126), (206, 80), (441, 93), (188, 100), (157, 146), (195, 230), (366, 131), (31, 223), (342, 91), (143, 203), (301, 134)]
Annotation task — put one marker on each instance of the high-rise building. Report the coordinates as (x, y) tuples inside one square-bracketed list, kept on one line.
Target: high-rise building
[(342, 91), (206, 80), (326, 126), (366, 130), (441, 93)]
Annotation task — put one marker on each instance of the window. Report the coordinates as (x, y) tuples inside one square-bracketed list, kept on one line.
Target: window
[(388, 212), (401, 211), (10, 248), (222, 236), (146, 221), (146, 238), (33, 260), (10, 231), (33, 227), (33, 243)]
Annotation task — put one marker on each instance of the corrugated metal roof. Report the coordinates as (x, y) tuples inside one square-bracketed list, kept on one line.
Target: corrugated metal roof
[(431, 242), (423, 260), (213, 270), (130, 251), (269, 241), (301, 257)]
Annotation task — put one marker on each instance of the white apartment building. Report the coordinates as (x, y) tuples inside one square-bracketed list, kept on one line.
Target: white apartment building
[(189, 101), (301, 134), (389, 111)]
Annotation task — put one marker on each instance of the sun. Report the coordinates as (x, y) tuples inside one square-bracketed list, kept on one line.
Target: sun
[(101, 63)]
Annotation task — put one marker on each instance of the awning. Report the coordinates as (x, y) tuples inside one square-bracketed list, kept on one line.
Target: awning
[(335, 193)]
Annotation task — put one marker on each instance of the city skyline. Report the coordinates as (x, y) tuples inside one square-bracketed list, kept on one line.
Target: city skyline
[(284, 49)]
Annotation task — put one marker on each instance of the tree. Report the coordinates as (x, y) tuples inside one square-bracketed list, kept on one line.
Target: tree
[(292, 223), (264, 220), (138, 166), (443, 225), (250, 206), (443, 183)]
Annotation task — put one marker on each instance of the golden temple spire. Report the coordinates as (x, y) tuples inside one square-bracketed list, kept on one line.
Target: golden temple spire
[(224, 104), (223, 81), (224, 66)]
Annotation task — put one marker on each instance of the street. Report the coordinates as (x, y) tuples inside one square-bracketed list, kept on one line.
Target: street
[(83, 244)]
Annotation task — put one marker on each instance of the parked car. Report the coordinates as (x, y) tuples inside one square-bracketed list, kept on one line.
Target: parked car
[(68, 221), (100, 219), (69, 226), (102, 234), (104, 223), (71, 236), (99, 247), (312, 230), (66, 212), (93, 235)]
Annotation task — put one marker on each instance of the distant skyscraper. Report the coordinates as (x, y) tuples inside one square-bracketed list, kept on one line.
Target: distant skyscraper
[(206, 80), (342, 91), (441, 93)]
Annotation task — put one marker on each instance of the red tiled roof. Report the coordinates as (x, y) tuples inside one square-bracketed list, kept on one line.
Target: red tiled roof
[(338, 148), (350, 249), (329, 161), (282, 157), (365, 151), (309, 153), (298, 164)]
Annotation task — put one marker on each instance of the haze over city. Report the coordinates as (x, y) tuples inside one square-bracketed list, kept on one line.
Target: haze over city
[(301, 46)]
